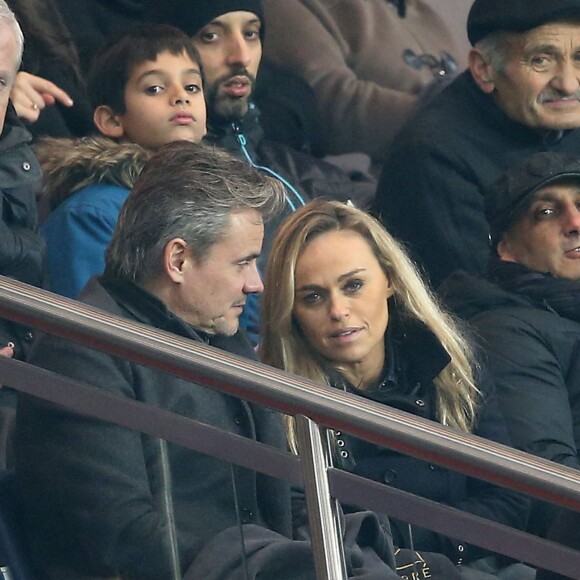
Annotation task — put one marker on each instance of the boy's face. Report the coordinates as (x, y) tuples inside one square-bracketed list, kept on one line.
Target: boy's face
[(164, 102)]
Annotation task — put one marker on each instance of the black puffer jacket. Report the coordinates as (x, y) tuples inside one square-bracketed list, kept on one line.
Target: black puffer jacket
[(533, 352), (414, 358), (21, 249), (534, 356)]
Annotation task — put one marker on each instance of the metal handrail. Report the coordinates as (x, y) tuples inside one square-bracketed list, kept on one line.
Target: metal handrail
[(346, 487), (287, 393), (290, 394)]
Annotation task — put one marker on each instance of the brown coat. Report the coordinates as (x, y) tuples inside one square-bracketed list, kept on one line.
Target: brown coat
[(350, 52)]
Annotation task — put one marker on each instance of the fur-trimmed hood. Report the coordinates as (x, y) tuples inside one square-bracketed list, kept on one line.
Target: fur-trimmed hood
[(71, 164)]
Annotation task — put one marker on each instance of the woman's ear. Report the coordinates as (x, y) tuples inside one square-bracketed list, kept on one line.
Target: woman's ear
[(390, 288), (108, 123), (481, 70)]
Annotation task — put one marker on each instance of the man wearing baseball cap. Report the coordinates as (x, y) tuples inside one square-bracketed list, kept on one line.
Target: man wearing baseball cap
[(527, 310), (228, 35), (520, 95)]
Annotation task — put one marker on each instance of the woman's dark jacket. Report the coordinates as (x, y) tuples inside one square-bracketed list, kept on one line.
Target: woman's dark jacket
[(529, 327), (414, 358)]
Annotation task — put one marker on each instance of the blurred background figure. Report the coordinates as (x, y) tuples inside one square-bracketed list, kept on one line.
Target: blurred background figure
[(49, 91), (369, 63)]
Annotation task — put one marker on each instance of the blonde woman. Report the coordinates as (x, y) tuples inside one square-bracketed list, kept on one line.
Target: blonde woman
[(344, 305)]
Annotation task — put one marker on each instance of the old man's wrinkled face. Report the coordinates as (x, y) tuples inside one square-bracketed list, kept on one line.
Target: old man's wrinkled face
[(546, 237), (540, 84)]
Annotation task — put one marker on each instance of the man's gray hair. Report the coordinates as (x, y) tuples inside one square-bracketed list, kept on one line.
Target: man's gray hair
[(496, 48), (188, 191), (8, 16)]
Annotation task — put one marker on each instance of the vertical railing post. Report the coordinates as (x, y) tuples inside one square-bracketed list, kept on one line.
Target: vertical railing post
[(323, 510)]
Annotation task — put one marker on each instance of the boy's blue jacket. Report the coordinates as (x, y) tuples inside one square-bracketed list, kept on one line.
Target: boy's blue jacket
[(77, 234), (87, 182)]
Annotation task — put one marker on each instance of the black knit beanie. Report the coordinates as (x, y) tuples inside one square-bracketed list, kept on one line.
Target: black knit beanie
[(192, 15)]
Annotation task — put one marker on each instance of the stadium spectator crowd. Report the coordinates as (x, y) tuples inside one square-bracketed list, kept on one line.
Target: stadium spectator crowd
[(411, 205)]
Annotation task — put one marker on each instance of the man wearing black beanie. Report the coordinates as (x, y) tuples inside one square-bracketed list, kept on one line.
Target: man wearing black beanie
[(228, 35)]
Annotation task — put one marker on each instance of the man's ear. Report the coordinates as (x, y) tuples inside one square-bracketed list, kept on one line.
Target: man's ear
[(175, 256), (504, 251), (481, 70), (107, 122)]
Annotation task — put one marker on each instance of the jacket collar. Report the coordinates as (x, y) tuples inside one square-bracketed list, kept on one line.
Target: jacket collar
[(468, 295), (228, 135), (558, 295), (147, 308), (414, 356)]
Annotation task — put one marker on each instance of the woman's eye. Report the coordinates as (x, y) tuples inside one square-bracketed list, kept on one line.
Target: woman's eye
[(353, 285), (311, 298)]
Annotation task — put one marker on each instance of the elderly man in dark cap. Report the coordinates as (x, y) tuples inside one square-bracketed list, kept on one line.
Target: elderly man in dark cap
[(520, 95), (527, 310)]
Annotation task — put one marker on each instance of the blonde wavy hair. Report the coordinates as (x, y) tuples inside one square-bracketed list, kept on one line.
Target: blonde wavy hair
[(284, 346)]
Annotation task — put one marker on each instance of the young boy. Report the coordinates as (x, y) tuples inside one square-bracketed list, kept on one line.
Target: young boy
[(147, 90)]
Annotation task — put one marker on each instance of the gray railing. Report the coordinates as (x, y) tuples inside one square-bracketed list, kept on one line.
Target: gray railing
[(289, 394)]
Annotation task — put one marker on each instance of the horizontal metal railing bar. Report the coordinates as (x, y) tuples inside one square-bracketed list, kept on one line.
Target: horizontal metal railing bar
[(453, 523), (276, 389), (346, 487), (94, 402)]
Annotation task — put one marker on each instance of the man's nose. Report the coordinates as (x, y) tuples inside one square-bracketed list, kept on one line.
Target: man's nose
[(572, 220), (238, 51), (567, 78), (253, 283)]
